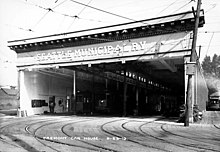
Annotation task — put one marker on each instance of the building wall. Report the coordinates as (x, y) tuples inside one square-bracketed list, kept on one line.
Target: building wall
[(40, 86), (8, 99)]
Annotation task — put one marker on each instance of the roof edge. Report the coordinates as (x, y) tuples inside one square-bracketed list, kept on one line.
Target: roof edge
[(105, 27)]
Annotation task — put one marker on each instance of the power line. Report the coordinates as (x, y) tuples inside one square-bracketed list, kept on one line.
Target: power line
[(79, 14), (65, 15), (212, 7), (176, 10), (48, 10), (41, 18), (209, 31), (209, 43), (103, 11), (59, 4), (167, 7), (86, 5), (20, 28), (182, 6)]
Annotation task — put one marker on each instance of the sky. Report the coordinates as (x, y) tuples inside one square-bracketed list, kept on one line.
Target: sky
[(21, 19), (29, 18)]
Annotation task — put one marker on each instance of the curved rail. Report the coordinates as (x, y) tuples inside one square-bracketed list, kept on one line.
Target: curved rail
[(91, 144), (128, 139), (34, 133)]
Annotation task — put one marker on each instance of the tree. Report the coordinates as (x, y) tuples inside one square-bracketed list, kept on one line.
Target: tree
[(206, 65), (211, 67), (211, 71), (215, 65)]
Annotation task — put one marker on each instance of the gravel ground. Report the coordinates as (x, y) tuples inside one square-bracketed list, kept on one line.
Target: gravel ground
[(54, 133)]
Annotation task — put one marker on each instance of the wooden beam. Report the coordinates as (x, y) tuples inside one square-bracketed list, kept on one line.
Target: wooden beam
[(169, 65)]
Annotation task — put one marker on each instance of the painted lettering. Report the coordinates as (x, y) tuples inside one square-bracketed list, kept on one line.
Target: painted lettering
[(110, 49), (77, 53), (143, 45), (135, 46), (100, 50), (118, 49)]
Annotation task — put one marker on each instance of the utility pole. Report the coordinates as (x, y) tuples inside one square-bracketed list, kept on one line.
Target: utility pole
[(193, 58)]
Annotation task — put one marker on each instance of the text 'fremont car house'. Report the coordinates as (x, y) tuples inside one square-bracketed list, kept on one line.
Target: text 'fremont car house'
[(136, 68)]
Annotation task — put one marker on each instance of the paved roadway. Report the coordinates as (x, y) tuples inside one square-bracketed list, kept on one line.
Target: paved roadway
[(47, 133)]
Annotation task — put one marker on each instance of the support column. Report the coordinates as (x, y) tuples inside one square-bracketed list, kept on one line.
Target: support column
[(25, 103), (73, 102), (93, 95), (106, 90), (137, 100), (137, 95), (22, 90), (125, 94)]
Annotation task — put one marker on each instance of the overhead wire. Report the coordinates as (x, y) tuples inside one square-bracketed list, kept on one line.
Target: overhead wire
[(209, 31), (183, 6), (141, 10), (79, 14), (63, 14), (86, 5), (98, 9), (48, 10), (166, 7), (41, 19), (18, 27), (212, 7), (209, 43)]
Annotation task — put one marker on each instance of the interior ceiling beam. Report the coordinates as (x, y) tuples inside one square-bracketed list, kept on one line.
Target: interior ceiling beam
[(169, 65)]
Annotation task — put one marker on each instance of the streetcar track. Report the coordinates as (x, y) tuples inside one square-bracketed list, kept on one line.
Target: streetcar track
[(135, 132), (144, 133), (120, 130), (184, 145), (54, 141), (37, 137), (5, 141), (216, 115), (191, 138), (215, 125), (91, 144), (127, 139), (11, 125)]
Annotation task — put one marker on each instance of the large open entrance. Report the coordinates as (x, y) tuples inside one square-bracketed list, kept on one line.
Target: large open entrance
[(150, 88), (131, 88)]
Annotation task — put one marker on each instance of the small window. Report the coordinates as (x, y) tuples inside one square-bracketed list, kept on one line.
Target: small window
[(38, 103)]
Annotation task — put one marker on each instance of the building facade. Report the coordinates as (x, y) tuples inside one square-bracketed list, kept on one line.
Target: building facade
[(137, 68)]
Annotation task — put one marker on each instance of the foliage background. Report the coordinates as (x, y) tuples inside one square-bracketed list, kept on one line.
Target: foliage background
[(211, 71)]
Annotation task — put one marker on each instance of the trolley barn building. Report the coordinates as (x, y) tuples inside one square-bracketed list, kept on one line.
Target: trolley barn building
[(136, 68)]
